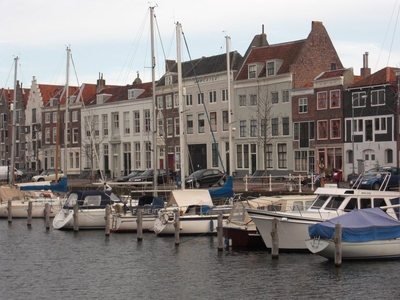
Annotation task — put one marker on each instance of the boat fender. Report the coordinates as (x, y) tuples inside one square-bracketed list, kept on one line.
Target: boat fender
[(211, 226), (164, 218)]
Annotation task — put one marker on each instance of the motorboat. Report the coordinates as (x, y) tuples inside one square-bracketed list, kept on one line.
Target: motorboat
[(91, 209), (241, 231), (330, 201), (367, 234), (197, 213), (124, 217)]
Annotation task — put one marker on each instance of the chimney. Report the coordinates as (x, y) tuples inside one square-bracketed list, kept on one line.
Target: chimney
[(137, 80), (101, 83), (365, 71)]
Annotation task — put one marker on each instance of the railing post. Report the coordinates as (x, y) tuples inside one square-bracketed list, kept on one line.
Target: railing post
[(270, 182), (291, 185), (300, 183), (312, 182), (245, 183)]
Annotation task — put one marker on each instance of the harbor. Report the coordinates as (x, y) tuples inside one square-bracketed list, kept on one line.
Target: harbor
[(52, 264)]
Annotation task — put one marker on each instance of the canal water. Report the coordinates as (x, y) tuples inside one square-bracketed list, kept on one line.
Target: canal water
[(49, 264)]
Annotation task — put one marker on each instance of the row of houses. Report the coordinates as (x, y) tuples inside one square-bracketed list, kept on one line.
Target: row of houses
[(278, 108)]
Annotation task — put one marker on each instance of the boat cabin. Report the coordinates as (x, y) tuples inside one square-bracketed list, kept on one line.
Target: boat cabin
[(92, 199)]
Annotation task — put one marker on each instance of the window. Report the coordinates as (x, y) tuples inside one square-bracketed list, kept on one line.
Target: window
[(75, 135), (270, 68), (285, 96), (252, 71), (253, 100), (358, 99), (127, 128), (242, 128), (136, 121), (54, 135), (47, 118), (322, 130), (176, 100), (177, 129), (96, 125), (274, 127), (168, 80), (189, 100), (147, 146), (224, 95), (115, 128), (378, 97), (300, 161), (170, 127), (147, 127), (282, 156), (160, 102), (239, 155), (168, 100), (137, 155), (335, 129), (33, 115), (200, 98), (105, 124), (213, 96), (200, 123), (189, 124), (253, 128), (263, 127), (160, 127), (285, 126), (268, 153), (335, 98), (75, 116), (242, 100), (303, 102), (322, 101), (47, 135), (389, 156), (215, 155), (213, 121), (55, 117), (225, 120), (274, 97)]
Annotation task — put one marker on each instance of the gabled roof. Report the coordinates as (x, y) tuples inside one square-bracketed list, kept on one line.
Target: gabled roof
[(331, 74), (8, 95), (287, 52), (386, 75)]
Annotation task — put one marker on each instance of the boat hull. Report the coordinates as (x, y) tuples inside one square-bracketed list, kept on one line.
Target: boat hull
[(242, 236), (87, 219), (20, 209), (128, 223), (372, 250)]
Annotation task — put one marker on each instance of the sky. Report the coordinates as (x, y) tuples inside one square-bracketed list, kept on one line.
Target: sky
[(112, 37)]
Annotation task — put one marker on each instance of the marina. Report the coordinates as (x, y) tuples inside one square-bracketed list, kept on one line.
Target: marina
[(52, 264)]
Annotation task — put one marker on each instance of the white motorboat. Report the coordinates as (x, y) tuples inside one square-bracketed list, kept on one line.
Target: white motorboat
[(367, 234), (241, 231), (198, 215), (124, 218), (330, 202), (91, 209)]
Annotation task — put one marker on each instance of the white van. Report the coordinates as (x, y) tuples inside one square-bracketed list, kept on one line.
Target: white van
[(4, 170)]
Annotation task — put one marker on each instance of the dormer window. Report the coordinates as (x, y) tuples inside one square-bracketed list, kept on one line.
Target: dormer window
[(53, 101), (252, 71), (100, 99), (168, 80), (134, 93), (270, 68)]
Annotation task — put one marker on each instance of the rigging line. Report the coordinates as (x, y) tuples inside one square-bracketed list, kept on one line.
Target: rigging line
[(76, 75), (394, 33), (159, 35), (9, 74), (204, 105)]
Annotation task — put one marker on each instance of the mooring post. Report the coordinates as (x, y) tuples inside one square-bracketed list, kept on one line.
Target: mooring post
[(108, 218), (139, 222), (338, 245), (220, 233), (47, 215), (76, 218), (177, 225), (29, 219), (9, 208), (275, 239)]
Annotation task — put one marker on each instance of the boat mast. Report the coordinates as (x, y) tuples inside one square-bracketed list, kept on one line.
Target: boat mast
[(182, 158), (11, 173), (153, 77), (230, 113), (66, 116)]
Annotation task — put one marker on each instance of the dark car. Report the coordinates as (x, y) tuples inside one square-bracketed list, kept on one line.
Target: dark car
[(148, 175), (132, 174), (374, 178), (205, 177)]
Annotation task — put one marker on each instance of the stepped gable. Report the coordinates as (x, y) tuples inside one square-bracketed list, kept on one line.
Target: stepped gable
[(386, 75), (8, 95)]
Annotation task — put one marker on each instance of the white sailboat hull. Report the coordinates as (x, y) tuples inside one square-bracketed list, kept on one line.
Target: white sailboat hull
[(20, 209), (372, 250), (87, 219), (128, 223)]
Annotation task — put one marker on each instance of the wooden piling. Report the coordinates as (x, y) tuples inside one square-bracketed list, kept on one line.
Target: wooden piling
[(177, 226), (76, 218), (29, 219), (338, 245), (275, 239), (139, 222), (9, 208), (47, 215), (220, 233), (108, 218)]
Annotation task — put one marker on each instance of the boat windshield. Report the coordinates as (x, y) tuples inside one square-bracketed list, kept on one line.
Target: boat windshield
[(72, 200), (334, 203), (319, 202)]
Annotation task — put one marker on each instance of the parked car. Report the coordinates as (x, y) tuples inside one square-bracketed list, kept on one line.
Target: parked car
[(374, 178), (205, 177), (148, 175), (132, 174), (6, 169), (48, 175)]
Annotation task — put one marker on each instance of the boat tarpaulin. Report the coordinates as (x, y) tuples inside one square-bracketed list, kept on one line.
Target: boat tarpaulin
[(57, 187), (190, 197), (359, 225), (224, 191)]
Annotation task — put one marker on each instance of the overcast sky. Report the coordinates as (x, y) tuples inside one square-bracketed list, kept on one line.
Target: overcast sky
[(112, 37)]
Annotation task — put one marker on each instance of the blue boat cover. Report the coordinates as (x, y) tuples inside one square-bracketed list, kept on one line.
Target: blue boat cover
[(57, 187), (224, 191), (359, 225)]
